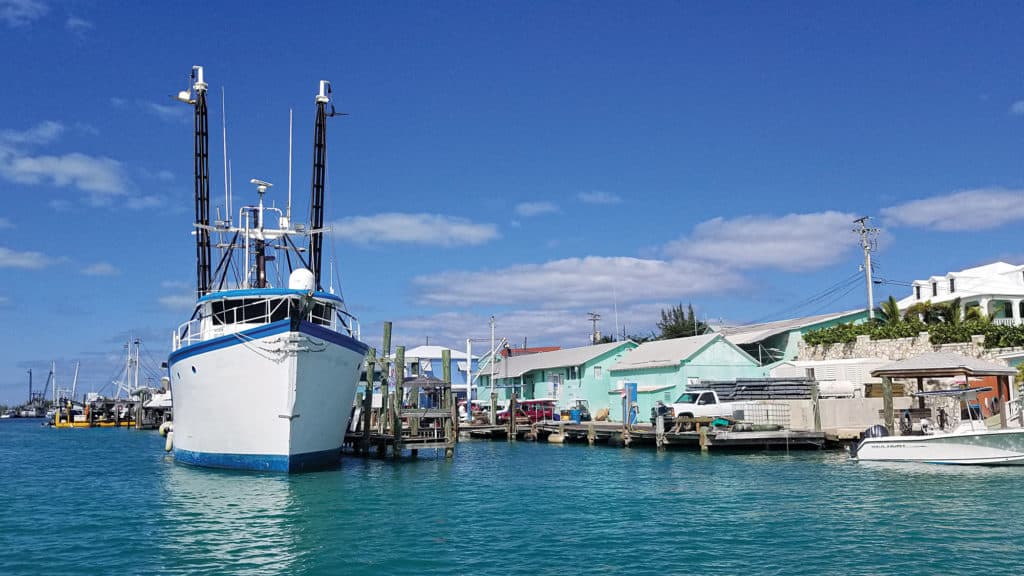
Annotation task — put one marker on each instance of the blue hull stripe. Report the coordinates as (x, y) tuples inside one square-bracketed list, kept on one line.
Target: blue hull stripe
[(274, 328), (261, 462)]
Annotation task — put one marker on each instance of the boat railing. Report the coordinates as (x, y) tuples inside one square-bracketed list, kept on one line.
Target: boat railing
[(251, 312)]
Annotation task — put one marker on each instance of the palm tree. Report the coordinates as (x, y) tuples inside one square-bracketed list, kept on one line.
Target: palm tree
[(889, 312)]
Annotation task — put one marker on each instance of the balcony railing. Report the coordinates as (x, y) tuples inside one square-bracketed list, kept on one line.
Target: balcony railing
[(1005, 321)]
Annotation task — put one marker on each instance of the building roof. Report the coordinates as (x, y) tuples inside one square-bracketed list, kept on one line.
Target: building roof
[(995, 279), (751, 333), (662, 353), (433, 353), (942, 364), (516, 366)]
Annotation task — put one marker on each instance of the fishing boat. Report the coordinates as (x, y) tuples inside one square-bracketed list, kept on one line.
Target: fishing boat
[(263, 376), (969, 442)]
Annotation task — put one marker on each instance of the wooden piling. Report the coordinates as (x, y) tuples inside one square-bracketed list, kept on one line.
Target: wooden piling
[(703, 430), (371, 365), (890, 423), (447, 402), (659, 432), (512, 426), (816, 406), (399, 401), (591, 433)]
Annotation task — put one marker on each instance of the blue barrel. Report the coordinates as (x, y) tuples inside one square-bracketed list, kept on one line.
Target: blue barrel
[(574, 416)]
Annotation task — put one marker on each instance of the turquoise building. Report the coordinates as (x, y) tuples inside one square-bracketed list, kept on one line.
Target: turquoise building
[(563, 375), (773, 342), (664, 369)]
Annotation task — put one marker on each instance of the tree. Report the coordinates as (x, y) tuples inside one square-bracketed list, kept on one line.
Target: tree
[(889, 312), (679, 323)]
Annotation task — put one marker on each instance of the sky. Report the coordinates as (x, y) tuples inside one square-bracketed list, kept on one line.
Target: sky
[(531, 161)]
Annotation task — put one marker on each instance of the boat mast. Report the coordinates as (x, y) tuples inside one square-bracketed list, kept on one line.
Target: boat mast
[(202, 184), (316, 205)]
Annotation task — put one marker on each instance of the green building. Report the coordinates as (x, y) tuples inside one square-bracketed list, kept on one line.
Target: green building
[(564, 375), (773, 342), (663, 369)]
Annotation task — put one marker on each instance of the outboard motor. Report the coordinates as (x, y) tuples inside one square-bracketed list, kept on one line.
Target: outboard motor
[(876, 431)]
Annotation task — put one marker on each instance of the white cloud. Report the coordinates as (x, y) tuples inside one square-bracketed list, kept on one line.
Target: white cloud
[(576, 282), (143, 202), (1017, 108), (27, 260), (101, 269), (42, 133), (979, 209), (21, 12), (791, 242), (77, 25), (527, 209), (177, 301), (100, 176), (599, 197), (170, 112), (429, 229)]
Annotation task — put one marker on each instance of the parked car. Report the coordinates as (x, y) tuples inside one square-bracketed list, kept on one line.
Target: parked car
[(532, 411)]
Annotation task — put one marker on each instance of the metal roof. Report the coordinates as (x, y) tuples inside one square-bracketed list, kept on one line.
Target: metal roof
[(434, 353), (757, 332), (941, 364), (516, 366), (662, 353)]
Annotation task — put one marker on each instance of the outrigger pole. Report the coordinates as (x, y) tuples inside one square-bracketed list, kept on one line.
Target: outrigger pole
[(202, 184), (316, 205)]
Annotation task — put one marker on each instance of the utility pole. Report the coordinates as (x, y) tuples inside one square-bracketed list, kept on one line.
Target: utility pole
[(867, 242), (594, 335)]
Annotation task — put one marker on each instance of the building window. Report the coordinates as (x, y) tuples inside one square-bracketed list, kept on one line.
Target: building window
[(597, 371), (917, 292), (573, 373), (952, 285), (935, 288)]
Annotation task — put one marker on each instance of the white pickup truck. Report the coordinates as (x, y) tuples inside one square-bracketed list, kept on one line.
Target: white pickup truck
[(700, 404)]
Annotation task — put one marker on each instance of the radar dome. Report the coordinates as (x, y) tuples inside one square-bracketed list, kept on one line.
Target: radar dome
[(302, 279)]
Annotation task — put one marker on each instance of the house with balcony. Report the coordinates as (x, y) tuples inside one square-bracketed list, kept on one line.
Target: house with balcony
[(565, 375), (997, 289)]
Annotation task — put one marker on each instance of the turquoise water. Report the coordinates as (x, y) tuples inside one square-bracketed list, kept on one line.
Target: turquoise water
[(111, 502)]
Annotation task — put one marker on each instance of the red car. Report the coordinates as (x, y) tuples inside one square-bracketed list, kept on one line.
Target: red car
[(531, 411)]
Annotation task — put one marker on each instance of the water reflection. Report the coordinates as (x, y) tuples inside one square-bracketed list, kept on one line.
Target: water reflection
[(217, 520)]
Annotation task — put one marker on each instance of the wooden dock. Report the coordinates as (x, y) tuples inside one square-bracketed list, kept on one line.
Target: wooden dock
[(643, 434), (401, 423)]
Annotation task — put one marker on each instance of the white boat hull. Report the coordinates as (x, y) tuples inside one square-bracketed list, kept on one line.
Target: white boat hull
[(265, 399), (986, 447)]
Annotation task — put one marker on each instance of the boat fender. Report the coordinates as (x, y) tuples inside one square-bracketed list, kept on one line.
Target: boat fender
[(169, 444), (165, 428)]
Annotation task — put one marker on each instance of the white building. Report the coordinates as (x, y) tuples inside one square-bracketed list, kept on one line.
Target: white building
[(998, 289)]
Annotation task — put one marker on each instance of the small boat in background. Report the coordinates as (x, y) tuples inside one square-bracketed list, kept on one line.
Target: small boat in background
[(969, 442)]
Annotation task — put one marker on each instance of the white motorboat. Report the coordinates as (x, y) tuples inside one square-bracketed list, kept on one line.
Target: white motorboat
[(969, 442), (262, 377)]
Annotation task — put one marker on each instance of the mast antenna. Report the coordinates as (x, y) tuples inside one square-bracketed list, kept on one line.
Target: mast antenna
[(202, 178)]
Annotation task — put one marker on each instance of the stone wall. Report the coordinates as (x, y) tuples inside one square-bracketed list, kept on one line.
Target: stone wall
[(899, 349)]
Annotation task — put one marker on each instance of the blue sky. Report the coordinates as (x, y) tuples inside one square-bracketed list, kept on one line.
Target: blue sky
[(534, 161)]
